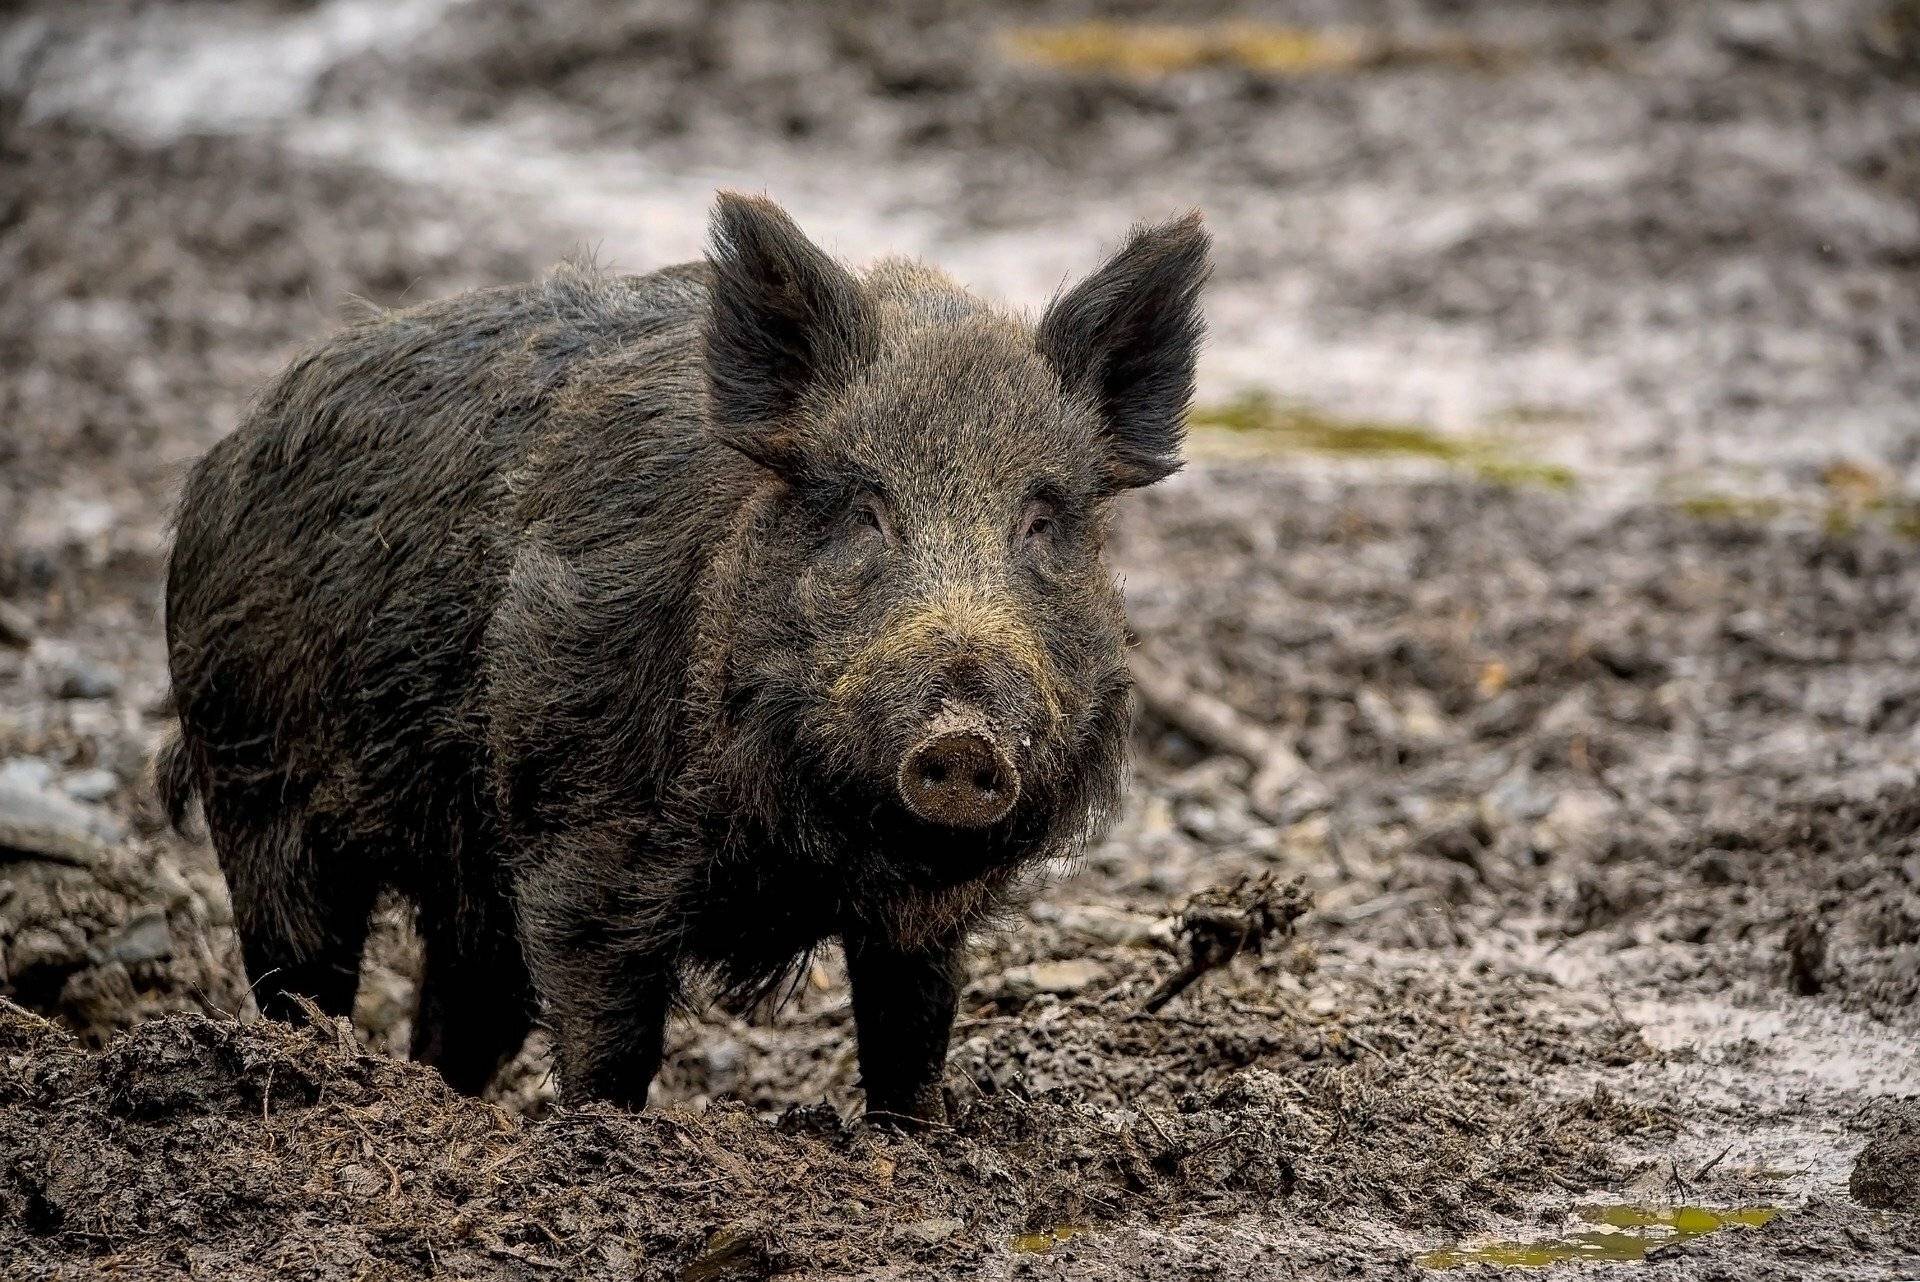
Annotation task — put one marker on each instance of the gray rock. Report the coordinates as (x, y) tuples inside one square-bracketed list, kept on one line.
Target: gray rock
[(1062, 978), (143, 939), (91, 785), (83, 679), (38, 820)]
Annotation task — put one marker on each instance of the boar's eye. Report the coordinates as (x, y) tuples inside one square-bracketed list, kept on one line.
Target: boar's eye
[(868, 514), (1037, 523)]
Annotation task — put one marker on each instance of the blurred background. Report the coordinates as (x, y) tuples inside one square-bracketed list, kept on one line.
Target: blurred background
[(1541, 590), (1638, 239)]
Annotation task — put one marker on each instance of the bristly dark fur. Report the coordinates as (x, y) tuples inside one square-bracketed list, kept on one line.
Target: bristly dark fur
[(595, 616), (785, 320), (174, 782)]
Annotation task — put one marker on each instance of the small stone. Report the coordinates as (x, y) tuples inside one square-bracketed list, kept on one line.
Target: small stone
[(1379, 715), (35, 819), (1521, 797), (1575, 824), (91, 785), (1062, 978), (1714, 868), (1115, 927), (734, 1254), (144, 939), (59, 948), (26, 772), (80, 679), (17, 628), (724, 1056), (1201, 822), (210, 889), (1421, 719), (174, 889), (1156, 816)]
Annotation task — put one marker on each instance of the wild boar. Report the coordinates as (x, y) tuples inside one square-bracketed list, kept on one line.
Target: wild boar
[(646, 633)]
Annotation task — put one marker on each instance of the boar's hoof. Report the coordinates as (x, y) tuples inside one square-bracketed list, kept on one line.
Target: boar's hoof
[(927, 1107), (957, 776)]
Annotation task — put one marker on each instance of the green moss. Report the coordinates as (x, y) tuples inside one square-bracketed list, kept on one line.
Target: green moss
[(1840, 520), (1898, 513), (1519, 473), (1904, 518), (1288, 425), (1150, 50), (1267, 425), (1731, 507)]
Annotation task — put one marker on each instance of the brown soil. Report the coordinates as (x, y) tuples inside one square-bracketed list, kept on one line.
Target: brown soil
[(1606, 802)]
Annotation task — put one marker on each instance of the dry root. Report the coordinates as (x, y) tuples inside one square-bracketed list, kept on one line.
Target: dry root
[(1281, 780)]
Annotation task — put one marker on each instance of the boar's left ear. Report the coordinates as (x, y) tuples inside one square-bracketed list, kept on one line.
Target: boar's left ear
[(786, 319), (1127, 336)]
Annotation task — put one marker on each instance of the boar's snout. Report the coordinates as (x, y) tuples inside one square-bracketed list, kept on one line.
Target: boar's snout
[(958, 775)]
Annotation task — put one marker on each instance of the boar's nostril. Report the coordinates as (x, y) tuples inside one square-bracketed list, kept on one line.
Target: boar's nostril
[(959, 778)]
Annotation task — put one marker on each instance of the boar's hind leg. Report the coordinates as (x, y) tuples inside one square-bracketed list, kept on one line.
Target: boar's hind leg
[(476, 1000), (300, 906), (903, 1003)]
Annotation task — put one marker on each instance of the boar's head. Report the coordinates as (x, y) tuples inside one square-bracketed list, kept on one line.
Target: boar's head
[(927, 649)]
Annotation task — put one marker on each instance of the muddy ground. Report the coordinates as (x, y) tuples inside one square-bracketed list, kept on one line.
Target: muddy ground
[(1549, 551)]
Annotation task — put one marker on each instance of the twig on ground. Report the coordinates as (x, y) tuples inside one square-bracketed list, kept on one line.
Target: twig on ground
[(1220, 923), (1701, 1174)]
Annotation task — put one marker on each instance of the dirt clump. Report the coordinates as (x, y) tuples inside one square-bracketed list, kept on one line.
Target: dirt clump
[(1887, 1173)]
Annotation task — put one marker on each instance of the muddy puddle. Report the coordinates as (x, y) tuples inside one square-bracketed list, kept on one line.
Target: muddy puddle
[(1044, 1240), (1539, 598), (1615, 1235)]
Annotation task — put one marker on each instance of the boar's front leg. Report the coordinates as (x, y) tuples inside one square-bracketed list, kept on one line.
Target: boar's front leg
[(607, 993), (610, 1035), (903, 1003)]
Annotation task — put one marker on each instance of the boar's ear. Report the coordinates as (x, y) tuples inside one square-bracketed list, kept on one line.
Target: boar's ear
[(785, 319), (1127, 337)]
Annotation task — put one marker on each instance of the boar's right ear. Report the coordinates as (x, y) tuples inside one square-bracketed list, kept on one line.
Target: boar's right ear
[(1127, 337), (785, 319)]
